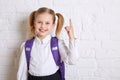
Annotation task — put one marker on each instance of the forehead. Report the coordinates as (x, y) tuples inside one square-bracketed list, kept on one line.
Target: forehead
[(44, 16)]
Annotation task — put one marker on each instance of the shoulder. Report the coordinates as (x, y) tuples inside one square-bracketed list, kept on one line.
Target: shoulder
[(23, 43), (54, 38), (61, 42), (22, 46)]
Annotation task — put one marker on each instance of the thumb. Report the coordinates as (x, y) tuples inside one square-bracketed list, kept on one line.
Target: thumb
[(67, 28)]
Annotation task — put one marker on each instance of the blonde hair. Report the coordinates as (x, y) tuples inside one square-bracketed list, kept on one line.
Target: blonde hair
[(34, 14)]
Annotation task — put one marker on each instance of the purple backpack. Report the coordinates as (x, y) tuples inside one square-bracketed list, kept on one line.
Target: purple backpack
[(55, 52)]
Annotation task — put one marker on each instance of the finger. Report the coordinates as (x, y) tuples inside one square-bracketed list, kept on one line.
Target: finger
[(70, 22)]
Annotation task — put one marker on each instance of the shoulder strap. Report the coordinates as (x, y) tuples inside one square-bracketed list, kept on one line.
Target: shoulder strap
[(28, 48), (55, 50), (56, 56)]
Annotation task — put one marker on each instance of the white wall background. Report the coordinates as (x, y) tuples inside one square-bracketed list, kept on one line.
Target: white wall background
[(96, 24)]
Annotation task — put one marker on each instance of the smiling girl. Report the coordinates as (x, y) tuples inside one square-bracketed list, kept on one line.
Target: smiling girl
[(42, 64)]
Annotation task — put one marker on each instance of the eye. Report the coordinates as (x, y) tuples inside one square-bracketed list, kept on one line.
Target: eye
[(47, 23), (39, 22)]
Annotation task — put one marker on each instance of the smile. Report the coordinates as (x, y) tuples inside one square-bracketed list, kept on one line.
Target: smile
[(43, 30)]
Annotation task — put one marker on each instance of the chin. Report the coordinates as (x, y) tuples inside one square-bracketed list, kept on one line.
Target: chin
[(43, 35)]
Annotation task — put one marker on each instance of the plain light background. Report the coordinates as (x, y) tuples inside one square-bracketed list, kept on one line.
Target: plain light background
[(96, 24)]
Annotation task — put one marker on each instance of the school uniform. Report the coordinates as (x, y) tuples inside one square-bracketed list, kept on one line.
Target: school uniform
[(42, 64)]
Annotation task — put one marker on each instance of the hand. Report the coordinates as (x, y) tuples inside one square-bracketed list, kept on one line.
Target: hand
[(70, 30)]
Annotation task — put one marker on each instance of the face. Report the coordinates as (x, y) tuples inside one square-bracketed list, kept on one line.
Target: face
[(43, 24)]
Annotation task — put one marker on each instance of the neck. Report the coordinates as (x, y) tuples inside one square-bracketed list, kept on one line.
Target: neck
[(42, 37)]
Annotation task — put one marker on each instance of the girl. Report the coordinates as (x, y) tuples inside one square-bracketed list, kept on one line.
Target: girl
[(42, 65)]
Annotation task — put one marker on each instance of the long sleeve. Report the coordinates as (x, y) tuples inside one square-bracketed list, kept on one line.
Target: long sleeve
[(22, 70), (69, 54)]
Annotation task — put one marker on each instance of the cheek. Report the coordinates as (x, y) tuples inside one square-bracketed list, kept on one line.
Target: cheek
[(51, 27), (35, 26)]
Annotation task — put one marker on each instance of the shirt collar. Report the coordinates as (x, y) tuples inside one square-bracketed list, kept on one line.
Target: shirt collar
[(45, 40)]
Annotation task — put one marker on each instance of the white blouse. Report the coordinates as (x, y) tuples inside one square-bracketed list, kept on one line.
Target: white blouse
[(42, 62)]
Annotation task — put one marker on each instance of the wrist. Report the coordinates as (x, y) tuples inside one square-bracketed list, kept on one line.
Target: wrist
[(71, 37)]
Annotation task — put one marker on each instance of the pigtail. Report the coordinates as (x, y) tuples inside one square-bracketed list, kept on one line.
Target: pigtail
[(31, 23), (60, 23)]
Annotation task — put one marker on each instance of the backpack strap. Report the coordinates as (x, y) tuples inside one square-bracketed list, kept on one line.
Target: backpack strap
[(62, 70), (28, 48), (56, 56), (55, 50)]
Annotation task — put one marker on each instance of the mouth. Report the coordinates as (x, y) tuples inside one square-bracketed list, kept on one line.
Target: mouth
[(43, 30)]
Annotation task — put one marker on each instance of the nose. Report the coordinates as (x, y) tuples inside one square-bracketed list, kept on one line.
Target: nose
[(42, 25)]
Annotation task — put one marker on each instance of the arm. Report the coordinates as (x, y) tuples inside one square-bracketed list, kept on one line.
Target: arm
[(69, 55), (22, 70)]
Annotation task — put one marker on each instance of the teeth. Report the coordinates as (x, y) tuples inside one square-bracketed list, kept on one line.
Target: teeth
[(42, 30)]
